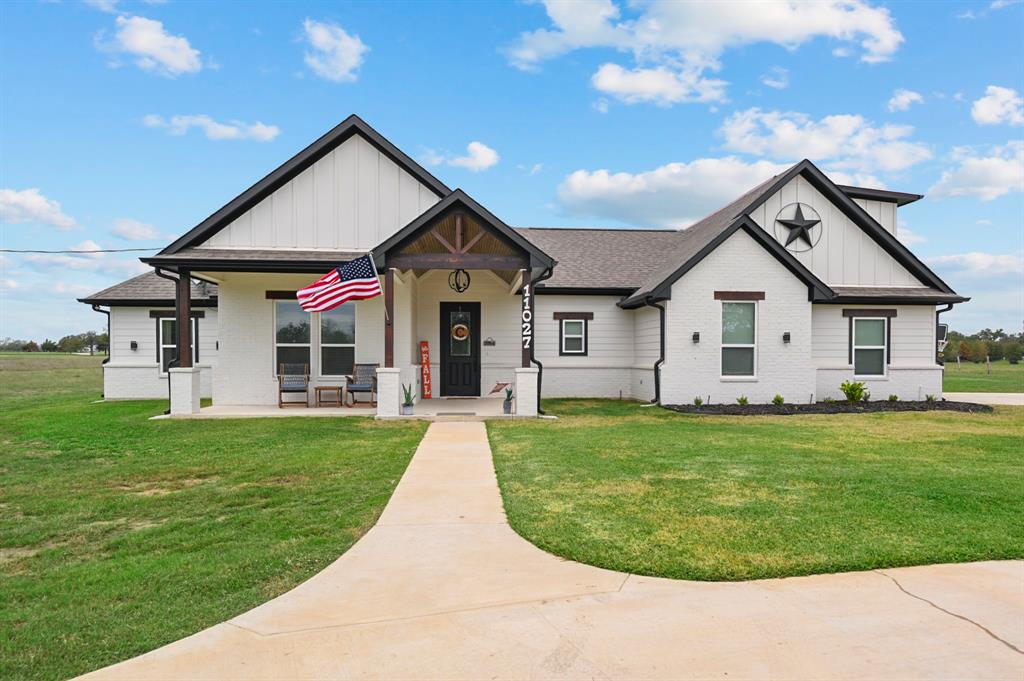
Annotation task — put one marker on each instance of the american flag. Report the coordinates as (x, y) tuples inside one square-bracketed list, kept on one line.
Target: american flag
[(355, 281)]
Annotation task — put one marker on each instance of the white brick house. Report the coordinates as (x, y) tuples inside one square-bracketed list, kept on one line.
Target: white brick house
[(791, 289)]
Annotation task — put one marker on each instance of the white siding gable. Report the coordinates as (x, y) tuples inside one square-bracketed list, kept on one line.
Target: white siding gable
[(351, 199), (845, 255)]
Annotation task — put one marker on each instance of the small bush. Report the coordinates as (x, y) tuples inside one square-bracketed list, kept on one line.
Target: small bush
[(867, 396), (828, 400), (930, 398), (697, 401), (894, 398), (742, 400), (1013, 352), (854, 390), (778, 401)]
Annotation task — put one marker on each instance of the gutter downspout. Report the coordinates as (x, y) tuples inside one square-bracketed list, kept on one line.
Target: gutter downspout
[(947, 308), (174, 362), (661, 352), (546, 274), (109, 350)]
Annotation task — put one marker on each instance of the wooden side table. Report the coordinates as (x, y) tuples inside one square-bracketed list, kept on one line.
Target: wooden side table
[(323, 395)]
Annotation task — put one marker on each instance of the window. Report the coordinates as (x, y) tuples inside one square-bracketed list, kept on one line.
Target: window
[(869, 347), (291, 334), (338, 340), (573, 333), (167, 333), (739, 338)]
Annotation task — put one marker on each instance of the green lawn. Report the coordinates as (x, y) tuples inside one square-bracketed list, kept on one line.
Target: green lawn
[(648, 491), (119, 534), (976, 378)]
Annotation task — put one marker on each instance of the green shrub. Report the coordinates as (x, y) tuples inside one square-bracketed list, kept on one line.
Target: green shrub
[(697, 401), (778, 401), (930, 398), (867, 396), (407, 390), (854, 390), (828, 400), (894, 398), (1012, 352), (742, 400)]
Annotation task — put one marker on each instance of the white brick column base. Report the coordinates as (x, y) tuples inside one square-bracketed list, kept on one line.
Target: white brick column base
[(389, 391), (526, 391), (184, 390)]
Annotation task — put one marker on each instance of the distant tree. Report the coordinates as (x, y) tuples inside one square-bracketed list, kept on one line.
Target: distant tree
[(1012, 352), (979, 350), (30, 346), (71, 343), (103, 343), (996, 349), (964, 350), (89, 340), (49, 346)]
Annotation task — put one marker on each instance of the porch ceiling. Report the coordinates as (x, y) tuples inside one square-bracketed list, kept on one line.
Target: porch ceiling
[(460, 234)]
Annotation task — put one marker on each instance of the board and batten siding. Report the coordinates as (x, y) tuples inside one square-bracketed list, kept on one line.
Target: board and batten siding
[(883, 212), (845, 254), (352, 199)]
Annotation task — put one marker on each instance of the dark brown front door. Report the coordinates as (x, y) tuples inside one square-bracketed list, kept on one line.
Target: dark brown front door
[(460, 349)]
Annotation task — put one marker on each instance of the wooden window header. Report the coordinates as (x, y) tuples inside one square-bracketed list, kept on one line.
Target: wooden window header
[(170, 314), (588, 316), (869, 313), (281, 295), (739, 295)]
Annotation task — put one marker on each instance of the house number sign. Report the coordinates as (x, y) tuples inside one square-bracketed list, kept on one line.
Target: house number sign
[(527, 317)]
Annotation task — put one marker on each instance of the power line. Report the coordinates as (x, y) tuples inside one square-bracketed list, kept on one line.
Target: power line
[(98, 250)]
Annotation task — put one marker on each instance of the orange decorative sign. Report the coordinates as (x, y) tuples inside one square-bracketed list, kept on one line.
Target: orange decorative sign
[(425, 368)]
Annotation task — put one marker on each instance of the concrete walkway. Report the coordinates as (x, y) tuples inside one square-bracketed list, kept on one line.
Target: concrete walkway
[(1015, 399), (442, 588)]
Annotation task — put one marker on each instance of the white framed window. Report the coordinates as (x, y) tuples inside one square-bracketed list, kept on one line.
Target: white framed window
[(869, 346), (338, 340), (167, 349), (573, 335), (291, 334), (739, 339)]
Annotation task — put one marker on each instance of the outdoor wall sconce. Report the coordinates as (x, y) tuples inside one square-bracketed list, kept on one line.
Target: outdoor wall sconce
[(135, 346), (489, 342), (696, 336), (785, 337), (459, 280)]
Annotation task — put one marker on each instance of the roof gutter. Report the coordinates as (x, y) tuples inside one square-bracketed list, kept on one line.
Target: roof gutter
[(546, 274), (938, 356), (106, 312), (174, 362), (661, 349)]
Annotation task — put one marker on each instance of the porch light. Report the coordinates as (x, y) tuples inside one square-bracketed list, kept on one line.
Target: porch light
[(135, 345), (459, 280), (785, 337), (696, 336)]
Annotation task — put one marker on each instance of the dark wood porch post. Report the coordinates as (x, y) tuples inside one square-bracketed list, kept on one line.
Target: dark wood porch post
[(183, 318), (389, 318), (527, 319)]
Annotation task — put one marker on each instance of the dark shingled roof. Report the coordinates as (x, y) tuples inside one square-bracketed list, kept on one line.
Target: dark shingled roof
[(257, 255), (867, 293), (148, 288), (602, 258)]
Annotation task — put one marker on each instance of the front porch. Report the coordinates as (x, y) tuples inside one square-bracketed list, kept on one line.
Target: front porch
[(437, 409)]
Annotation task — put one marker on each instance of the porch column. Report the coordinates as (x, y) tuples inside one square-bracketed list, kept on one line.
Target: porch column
[(184, 378), (527, 320), (389, 318)]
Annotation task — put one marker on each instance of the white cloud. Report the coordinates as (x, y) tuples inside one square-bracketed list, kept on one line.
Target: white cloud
[(908, 236), (985, 177), (601, 105), (901, 99), (777, 77), (479, 157), (28, 206), (133, 230), (103, 5), (846, 141), (674, 44), (660, 85), (999, 105), (1002, 4), (976, 264), (334, 54), (153, 48), (86, 261), (9, 284), (672, 195), (214, 130)]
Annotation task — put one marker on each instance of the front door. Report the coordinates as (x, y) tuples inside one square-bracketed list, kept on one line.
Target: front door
[(460, 349)]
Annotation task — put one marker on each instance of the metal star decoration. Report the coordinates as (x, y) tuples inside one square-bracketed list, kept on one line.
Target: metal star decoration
[(799, 228)]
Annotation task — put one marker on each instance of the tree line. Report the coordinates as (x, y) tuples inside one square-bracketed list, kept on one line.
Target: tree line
[(984, 345), (89, 341)]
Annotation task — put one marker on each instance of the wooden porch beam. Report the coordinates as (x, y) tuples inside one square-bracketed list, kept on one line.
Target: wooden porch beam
[(444, 242), (468, 261), (183, 318), (472, 242), (527, 321)]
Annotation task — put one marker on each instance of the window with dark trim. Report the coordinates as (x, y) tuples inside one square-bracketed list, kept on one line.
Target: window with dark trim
[(739, 338), (167, 341), (292, 338), (573, 330), (870, 340)]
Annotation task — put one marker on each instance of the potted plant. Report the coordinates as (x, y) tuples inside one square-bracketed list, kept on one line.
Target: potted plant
[(506, 406), (407, 400)]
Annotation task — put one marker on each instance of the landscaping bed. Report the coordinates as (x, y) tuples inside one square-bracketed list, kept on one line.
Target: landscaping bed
[(837, 407)]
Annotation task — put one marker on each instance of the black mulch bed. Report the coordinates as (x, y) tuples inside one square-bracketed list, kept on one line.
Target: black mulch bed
[(837, 407)]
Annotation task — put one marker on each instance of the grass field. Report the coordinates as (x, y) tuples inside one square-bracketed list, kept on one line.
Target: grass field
[(648, 491), (976, 378), (119, 534)]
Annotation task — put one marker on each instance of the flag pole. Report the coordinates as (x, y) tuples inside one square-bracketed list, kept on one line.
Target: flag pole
[(377, 274)]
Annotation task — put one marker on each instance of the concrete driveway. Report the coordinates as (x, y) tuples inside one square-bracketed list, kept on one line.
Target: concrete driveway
[(1014, 399), (442, 588)]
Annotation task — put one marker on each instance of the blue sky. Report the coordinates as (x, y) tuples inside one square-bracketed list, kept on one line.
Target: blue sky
[(123, 124)]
